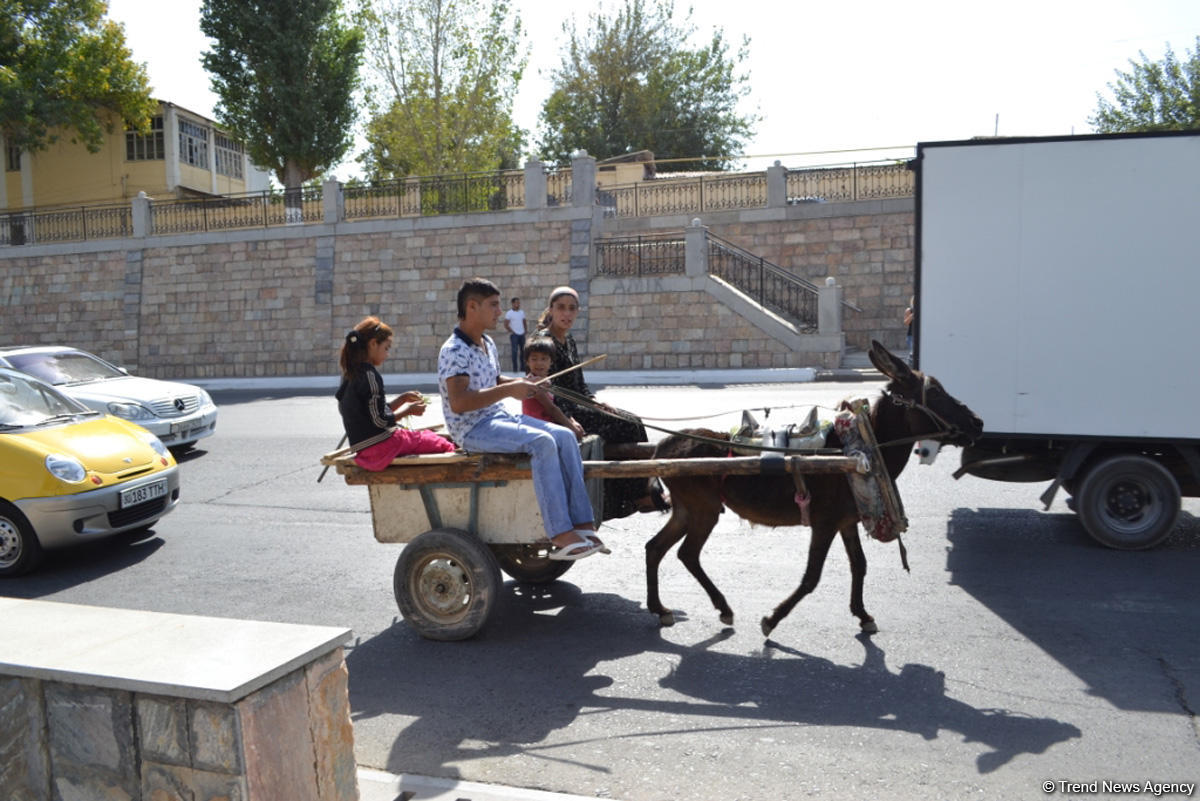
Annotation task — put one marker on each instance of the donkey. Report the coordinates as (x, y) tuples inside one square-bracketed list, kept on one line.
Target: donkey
[(912, 405)]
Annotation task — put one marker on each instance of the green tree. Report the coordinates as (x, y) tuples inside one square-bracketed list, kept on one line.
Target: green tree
[(1153, 96), (285, 74), (632, 82), (445, 73), (63, 67)]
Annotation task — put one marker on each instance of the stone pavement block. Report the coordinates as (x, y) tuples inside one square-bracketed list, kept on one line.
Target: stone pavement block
[(24, 762), (163, 729), (215, 737)]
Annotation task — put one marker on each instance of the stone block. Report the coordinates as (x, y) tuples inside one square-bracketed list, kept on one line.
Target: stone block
[(332, 732), (215, 737), (277, 741), (91, 743), (162, 729), (24, 761)]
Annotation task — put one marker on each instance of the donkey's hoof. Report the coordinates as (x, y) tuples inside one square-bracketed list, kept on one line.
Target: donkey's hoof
[(869, 627), (727, 618), (767, 626), (666, 619)]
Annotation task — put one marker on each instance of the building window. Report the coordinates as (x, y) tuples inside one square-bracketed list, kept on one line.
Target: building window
[(228, 155), (146, 146), (12, 158), (193, 144)]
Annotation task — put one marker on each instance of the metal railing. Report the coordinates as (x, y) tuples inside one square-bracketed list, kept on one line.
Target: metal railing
[(423, 196), (770, 285), (655, 254), (250, 210), (684, 195), (65, 224), (558, 187), (869, 181)]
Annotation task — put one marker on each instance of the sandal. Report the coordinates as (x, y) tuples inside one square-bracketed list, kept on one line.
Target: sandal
[(591, 537), (576, 550)]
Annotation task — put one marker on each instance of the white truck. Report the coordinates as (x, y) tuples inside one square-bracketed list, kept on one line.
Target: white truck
[(1057, 283)]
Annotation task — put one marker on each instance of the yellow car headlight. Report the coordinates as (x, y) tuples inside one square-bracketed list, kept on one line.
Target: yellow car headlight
[(65, 468)]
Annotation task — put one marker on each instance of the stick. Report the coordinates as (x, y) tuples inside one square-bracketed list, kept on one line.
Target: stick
[(584, 363), (341, 442)]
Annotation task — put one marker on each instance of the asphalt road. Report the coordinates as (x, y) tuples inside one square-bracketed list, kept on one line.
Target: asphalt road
[(1016, 653)]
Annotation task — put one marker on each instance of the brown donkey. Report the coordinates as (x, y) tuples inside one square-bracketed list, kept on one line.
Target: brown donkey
[(912, 405)]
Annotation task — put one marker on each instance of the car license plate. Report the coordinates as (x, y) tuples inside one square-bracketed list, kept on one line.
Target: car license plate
[(177, 428), (146, 492)]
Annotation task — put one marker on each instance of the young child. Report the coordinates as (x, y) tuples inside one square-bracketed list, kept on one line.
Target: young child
[(368, 417), (539, 352)]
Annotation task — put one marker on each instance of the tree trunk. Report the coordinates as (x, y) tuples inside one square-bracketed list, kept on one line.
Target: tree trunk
[(293, 205)]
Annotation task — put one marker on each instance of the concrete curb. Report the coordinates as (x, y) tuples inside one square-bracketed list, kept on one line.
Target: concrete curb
[(378, 785), (599, 378)]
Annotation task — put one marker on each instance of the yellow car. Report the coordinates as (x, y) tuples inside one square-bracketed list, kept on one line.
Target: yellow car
[(70, 475)]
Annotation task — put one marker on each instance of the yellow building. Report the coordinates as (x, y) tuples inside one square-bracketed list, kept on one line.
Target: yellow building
[(183, 155)]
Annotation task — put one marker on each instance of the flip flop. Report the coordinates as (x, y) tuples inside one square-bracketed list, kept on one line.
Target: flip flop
[(592, 538), (574, 551)]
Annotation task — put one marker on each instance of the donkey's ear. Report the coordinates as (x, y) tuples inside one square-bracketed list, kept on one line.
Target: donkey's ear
[(886, 362)]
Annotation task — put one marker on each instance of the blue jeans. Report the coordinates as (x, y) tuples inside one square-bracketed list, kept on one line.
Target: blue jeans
[(518, 349), (554, 456)]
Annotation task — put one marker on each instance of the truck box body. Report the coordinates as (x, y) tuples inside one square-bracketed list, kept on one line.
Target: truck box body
[(1058, 281)]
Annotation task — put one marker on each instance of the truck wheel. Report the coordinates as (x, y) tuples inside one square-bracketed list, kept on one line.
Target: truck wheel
[(446, 584), (20, 550), (529, 563), (1128, 502)]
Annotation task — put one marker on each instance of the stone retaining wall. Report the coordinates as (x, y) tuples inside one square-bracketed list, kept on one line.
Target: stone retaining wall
[(292, 739)]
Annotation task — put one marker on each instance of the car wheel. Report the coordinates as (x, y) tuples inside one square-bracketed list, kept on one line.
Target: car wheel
[(20, 550)]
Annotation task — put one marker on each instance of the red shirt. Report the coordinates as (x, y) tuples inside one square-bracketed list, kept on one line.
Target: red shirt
[(532, 407)]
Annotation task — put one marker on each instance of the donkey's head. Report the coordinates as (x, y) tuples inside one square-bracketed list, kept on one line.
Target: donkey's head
[(932, 411)]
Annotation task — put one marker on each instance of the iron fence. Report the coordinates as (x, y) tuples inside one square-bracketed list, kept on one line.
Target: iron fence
[(685, 195), (251, 210), (558, 187), (423, 196), (656, 254), (869, 181), (772, 286), (65, 224)]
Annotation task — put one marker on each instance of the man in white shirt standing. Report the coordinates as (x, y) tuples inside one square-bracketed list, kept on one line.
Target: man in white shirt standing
[(514, 323)]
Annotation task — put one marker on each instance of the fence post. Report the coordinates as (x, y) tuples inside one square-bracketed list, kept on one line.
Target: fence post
[(776, 186), (333, 202), (695, 249), (829, 307), (83, 217), (854, 180), (143, 221), (535, 184), (583, 179)]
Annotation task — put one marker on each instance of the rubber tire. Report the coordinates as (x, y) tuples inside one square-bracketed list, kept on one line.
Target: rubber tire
[(446, 584), (20, 551), (1149, 491), (529, 564)]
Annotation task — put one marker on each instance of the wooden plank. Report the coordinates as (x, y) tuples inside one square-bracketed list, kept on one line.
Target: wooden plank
[(493, 467)]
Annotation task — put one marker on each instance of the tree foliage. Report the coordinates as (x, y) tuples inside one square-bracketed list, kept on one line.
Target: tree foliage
[(1153, 96), (285, 74), (632, 82), (64, 67), (445, 73)]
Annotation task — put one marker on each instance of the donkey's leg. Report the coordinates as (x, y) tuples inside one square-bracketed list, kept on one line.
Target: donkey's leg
[(700, 526), (656, 549), (858, 572), (818, 549)]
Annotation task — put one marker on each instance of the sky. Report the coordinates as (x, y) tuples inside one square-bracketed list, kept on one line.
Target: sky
[(833, 81)]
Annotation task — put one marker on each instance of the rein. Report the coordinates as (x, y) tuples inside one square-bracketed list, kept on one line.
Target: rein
[(946, 429)]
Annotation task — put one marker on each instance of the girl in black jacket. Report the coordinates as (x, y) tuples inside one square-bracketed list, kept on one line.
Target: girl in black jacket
[(368, 417)]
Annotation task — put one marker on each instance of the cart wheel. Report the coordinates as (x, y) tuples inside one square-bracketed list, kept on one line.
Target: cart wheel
[(1128, 502), (20, 550), (530, 564), (446, 584)]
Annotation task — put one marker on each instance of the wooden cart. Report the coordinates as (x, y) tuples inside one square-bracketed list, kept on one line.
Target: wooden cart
[(465, 518)]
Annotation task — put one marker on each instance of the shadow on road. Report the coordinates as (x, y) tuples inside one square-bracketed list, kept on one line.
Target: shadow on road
[(487, 698), (71, 567), (1119, 620)]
